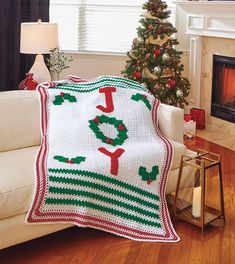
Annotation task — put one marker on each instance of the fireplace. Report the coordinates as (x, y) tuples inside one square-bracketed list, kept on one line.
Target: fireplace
[(223, 88)]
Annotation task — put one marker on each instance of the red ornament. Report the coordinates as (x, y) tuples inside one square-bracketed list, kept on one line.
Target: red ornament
[(171, 83), (137, 75), (157, 52)]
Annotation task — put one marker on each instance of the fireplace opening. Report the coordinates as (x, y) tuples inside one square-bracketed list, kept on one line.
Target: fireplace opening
[(223, 88)]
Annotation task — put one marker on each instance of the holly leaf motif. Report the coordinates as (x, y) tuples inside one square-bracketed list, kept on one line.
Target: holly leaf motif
[(76, 160), (60, 158), (140, 97), (148, 176), (58, 100), (70, 98)]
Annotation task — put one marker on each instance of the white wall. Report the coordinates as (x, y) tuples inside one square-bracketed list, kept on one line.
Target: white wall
[(92, 65)]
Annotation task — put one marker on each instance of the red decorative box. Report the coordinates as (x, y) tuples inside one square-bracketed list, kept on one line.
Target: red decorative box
[(198, 115), (187, 117)]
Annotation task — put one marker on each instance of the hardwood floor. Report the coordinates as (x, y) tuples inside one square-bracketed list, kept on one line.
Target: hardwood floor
[(76, 245)]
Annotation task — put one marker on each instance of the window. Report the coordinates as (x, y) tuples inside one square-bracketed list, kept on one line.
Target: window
[(96, 25)]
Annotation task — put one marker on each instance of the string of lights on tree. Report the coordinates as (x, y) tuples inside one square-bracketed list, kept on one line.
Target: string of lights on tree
[(153, 59)]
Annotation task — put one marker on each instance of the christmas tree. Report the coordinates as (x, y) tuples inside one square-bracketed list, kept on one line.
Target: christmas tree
[(153, 59)]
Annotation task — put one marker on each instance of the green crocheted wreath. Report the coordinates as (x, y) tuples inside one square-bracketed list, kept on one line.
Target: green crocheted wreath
[(118, 124)]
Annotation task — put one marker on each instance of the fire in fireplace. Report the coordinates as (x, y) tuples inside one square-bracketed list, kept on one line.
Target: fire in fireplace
[(223, 88)]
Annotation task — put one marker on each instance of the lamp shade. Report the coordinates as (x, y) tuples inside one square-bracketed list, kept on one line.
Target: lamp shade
[(38, 37)]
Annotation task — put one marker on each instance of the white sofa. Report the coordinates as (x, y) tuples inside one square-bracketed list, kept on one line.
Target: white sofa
[(19, 141)]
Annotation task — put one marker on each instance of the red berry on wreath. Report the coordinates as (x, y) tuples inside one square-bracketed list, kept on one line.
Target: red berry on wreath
[(121, 127), (137, 75), (62, 94), (96, 120), (171, 83), (157, 52)]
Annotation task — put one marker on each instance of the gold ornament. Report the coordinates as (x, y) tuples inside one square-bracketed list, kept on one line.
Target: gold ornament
[(146, 73), (150, 16), (156, 41), (168, 73), (133, 56)]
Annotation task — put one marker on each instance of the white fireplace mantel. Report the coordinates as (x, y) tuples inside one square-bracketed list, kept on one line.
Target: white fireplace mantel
[(210, 18), (205, 18)]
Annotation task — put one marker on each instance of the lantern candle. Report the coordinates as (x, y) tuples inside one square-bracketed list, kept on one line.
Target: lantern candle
[(196, 207)]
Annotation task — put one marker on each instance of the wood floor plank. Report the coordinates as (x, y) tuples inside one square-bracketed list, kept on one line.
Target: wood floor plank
[(88, 246)]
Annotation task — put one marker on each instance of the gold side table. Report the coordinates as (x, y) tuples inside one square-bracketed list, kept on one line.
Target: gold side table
[(199, 197)]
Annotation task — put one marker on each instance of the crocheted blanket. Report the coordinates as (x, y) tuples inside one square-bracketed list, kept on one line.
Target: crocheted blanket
[(103, 162)]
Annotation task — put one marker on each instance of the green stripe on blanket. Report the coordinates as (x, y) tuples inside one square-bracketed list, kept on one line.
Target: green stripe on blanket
[(82, 182), (104, 178)]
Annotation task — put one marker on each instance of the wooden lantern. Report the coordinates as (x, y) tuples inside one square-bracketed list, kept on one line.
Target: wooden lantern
[(199, 196)]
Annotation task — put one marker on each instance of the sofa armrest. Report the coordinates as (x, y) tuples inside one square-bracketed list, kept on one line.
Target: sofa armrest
[(170, 121)]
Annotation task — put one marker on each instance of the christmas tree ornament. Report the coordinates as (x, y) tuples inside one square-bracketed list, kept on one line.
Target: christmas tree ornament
[(157, 52), (137, 75), (157, 69), (148, 74), (179, 93), (132, 55), (144, 74), (165, 56), (147, 56), (168, 73), (171, 83), (157, 41)]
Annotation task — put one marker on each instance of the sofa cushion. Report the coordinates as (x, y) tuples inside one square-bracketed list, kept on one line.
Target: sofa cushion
[(16, 181), (19, 120)]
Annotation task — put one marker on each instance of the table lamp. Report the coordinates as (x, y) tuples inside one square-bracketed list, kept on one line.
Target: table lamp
[(38, 38)]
